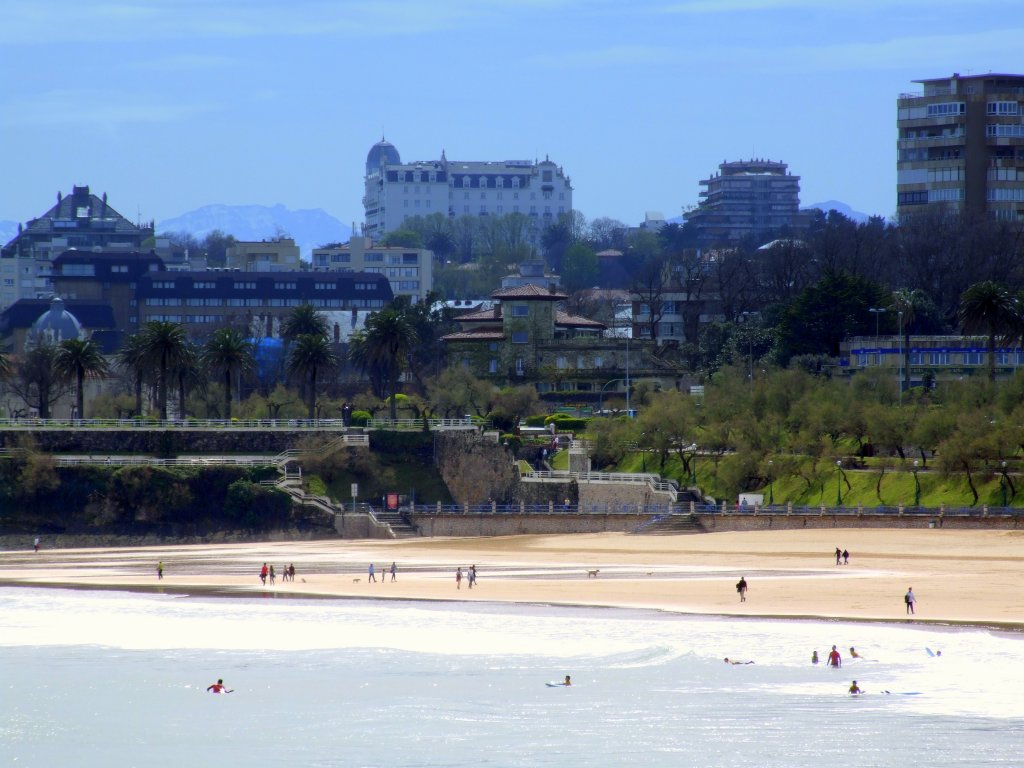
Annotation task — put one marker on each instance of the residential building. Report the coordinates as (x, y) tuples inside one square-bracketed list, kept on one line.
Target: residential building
[(532, 273), (105, 278), (80, 221), (279, 254), (934, 358), (395, 191), (526, 338), (409, 270), (746, 198), (961, 146), (254, 302)]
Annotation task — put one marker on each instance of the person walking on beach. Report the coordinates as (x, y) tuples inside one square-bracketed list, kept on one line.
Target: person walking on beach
[(839, 554), (370, 576), (394, 570), (291, 572), (909, 599), (834, 659), (814, 658), (741, 587), (472, 576), (273, 574), (846, 557), (458, 578), (160, 570), (263, 574), (35, 544)]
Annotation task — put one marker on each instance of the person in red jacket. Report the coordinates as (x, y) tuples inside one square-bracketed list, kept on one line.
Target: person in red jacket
[(219, 687), (834, 659)]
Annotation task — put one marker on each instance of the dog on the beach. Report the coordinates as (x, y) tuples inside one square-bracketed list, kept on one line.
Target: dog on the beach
[(355, 581), (593, 574)]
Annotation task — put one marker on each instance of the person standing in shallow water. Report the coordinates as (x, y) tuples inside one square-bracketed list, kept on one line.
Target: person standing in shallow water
[(458, 578), (834, 659)]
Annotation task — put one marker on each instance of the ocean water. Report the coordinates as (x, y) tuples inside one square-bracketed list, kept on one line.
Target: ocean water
[(118, 679)]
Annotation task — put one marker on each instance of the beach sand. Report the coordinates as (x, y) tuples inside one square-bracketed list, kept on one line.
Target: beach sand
[(959, 577)]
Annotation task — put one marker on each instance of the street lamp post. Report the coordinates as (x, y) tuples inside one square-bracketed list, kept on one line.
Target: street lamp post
[(839, 483), (877, 312), (1002, 484), (899, 380), (629, 411), (771, 485), (750, 342), (693, 467), (917, 486)]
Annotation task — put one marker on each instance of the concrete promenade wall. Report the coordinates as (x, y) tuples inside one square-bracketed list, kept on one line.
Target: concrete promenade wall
[(783, 522), (163, 441), (515, 525), (489, 524)]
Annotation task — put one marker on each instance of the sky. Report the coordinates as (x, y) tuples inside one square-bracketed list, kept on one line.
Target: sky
[(169, 105)]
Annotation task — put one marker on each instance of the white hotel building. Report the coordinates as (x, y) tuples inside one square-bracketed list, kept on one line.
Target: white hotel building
[(396, 190)]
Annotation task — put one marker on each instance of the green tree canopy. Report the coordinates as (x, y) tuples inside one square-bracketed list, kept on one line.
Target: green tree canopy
[(230, 353), (76, 359)]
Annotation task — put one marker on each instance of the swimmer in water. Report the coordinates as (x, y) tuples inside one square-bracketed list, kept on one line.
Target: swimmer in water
[(219, 687), (568, 680), (853, 653), (855, 689), (814, 658), (729, 661)]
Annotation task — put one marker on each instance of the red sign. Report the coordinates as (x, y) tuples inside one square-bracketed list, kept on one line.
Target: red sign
[(392, 501)]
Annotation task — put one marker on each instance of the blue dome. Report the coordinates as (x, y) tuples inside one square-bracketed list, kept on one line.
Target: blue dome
[(381, 153), (55, 325)]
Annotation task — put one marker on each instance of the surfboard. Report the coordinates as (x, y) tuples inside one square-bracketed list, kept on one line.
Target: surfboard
[(929, 652), (556, 685)]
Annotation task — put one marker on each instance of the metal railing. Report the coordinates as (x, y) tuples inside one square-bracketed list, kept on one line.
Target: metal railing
[(34, 423), (421, 424)]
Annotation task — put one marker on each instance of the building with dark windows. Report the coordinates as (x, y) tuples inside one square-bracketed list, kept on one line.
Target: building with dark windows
[(961, 147), (746, 198), (81, 221), (395, 191), (409, 270), (107, 278), (253, 302)]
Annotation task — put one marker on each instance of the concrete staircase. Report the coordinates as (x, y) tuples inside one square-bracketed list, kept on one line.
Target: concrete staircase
[(394, 520), (670, 524)]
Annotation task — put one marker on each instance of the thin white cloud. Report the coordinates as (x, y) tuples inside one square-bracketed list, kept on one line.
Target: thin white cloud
[(188, 62), (858, 6), (617, 56), (96, 107), (36, 22)]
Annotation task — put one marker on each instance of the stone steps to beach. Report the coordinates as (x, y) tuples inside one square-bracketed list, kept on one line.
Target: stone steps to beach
[(399, 527), (667, 525)]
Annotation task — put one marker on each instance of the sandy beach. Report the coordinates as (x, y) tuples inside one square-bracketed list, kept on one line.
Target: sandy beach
[(959, 577)]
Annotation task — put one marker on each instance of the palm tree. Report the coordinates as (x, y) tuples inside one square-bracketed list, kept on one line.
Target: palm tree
[(230, 352), (988, 307), (310, 354), (77, 358), (385, 345), (132, 358), (163, 345), (304, 320), (906, 303), (188, 374)]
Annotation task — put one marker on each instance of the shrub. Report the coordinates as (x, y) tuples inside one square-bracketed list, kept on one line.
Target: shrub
[(359, 418)]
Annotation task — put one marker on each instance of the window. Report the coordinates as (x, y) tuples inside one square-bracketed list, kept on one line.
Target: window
[(947, 108), (547, 176), (207, 285), (245, 285), (289, 286), (515, 182), (520, 368), (560, 362), (945, 195), (341, 258), (1003, 108), (520, 337), (165, 285), (1004, 195), (520, 310), (119, 268), (1015, 131), (374, 257), (912, 198), (325, 286), (598, 362), (492, 366)]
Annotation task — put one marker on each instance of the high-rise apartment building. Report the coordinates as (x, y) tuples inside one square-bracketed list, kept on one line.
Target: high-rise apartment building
[(395, 191), (961, 146), (746, 197)]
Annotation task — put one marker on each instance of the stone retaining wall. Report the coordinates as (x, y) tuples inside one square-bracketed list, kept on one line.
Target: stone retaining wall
[(515, 525), (766, 522), (163, 441)]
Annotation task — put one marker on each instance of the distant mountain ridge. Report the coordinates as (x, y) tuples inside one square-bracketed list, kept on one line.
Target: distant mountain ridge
[(311, 227), (841, 207)]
